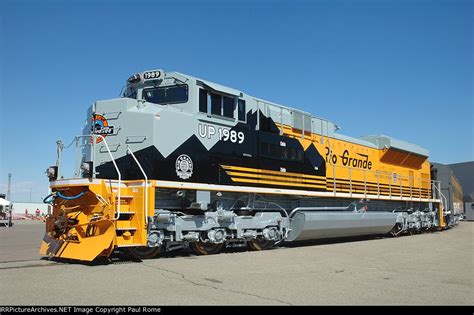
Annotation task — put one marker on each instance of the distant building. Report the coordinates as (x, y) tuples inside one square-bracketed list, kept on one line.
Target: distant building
[(469, 211), (465, 174), (22, 208), (451, 189)]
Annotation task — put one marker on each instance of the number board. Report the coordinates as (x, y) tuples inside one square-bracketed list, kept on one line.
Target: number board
[(152, 75)]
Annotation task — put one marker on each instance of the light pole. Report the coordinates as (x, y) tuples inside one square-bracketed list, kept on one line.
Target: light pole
[(9, 186)]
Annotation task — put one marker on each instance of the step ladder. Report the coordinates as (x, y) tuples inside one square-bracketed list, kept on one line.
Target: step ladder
[(131, 223)]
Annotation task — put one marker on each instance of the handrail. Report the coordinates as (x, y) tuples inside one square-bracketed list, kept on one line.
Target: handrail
[(116, 168), (146, 184), (444, 200), (395, 187), (318, 208), (94, 142)]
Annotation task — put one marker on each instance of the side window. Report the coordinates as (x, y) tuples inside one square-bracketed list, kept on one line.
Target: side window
[(241, 110), (228, 107), (216, 104), (222, 105), (202, 101)]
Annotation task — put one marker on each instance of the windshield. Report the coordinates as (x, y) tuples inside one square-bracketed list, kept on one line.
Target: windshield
[(167, 94), (130, 92)]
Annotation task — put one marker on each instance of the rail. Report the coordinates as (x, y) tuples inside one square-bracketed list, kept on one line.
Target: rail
[(390, 184), (117, 215), (319, 209), (436, 186), (146, 184), (93, 138)]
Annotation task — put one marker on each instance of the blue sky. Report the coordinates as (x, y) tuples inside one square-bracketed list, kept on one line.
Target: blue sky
[(401, 68)]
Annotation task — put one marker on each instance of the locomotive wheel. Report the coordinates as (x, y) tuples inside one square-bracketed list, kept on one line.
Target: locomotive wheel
[(261, 244), (144, 252), (204, 248)]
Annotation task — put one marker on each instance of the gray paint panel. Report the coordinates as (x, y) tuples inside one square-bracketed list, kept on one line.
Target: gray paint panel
[(317, 224), (383, 141)]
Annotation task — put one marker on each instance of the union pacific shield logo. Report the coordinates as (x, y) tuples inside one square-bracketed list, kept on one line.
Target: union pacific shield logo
[(184, 166)]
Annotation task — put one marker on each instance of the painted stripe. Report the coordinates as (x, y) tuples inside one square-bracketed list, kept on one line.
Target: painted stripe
[(269, 172), (328, 179), (266, 182), (276, 178), (259, 179)]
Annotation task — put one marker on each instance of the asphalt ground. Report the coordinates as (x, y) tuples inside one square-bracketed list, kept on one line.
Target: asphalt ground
[(426, 269)]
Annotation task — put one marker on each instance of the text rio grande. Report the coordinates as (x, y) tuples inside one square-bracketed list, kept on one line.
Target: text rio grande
[(347, 160)]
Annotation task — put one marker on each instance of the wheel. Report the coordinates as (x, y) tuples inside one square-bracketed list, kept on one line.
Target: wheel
[(144, 252), (261, 244), (202, 248)]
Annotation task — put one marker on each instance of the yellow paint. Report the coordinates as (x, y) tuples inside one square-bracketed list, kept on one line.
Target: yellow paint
[(380, 174), (93, 229), (442, 222), (76, 245)]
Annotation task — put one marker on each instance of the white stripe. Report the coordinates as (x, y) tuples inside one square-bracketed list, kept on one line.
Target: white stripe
[(199, 186), (248, 189)]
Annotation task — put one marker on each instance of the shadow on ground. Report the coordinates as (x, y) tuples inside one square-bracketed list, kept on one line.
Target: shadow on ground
[(122, 257)]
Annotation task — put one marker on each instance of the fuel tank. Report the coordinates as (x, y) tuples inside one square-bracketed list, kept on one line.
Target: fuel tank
[(326, 224)]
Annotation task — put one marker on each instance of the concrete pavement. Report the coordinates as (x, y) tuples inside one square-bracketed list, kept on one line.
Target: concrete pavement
[(427, 269)]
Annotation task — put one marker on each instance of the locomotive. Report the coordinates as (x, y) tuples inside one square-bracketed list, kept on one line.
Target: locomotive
[(179, 161)]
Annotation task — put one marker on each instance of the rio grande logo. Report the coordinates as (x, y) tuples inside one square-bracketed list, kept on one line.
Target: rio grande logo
[(100, 126), (184, 166)]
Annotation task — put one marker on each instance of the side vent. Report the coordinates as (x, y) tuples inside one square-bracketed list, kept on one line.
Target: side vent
[(402, 158)]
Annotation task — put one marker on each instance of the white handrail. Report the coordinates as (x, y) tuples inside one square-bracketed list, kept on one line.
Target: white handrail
[(442, 197), (146, 184), (116, 168), (391, 185)]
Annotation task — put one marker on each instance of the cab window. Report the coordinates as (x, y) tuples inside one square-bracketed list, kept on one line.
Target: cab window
[(167, 94), (220, 105)]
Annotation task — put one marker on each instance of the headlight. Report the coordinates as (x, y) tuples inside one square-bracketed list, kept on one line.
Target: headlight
[(86, 168), (52, 173)]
